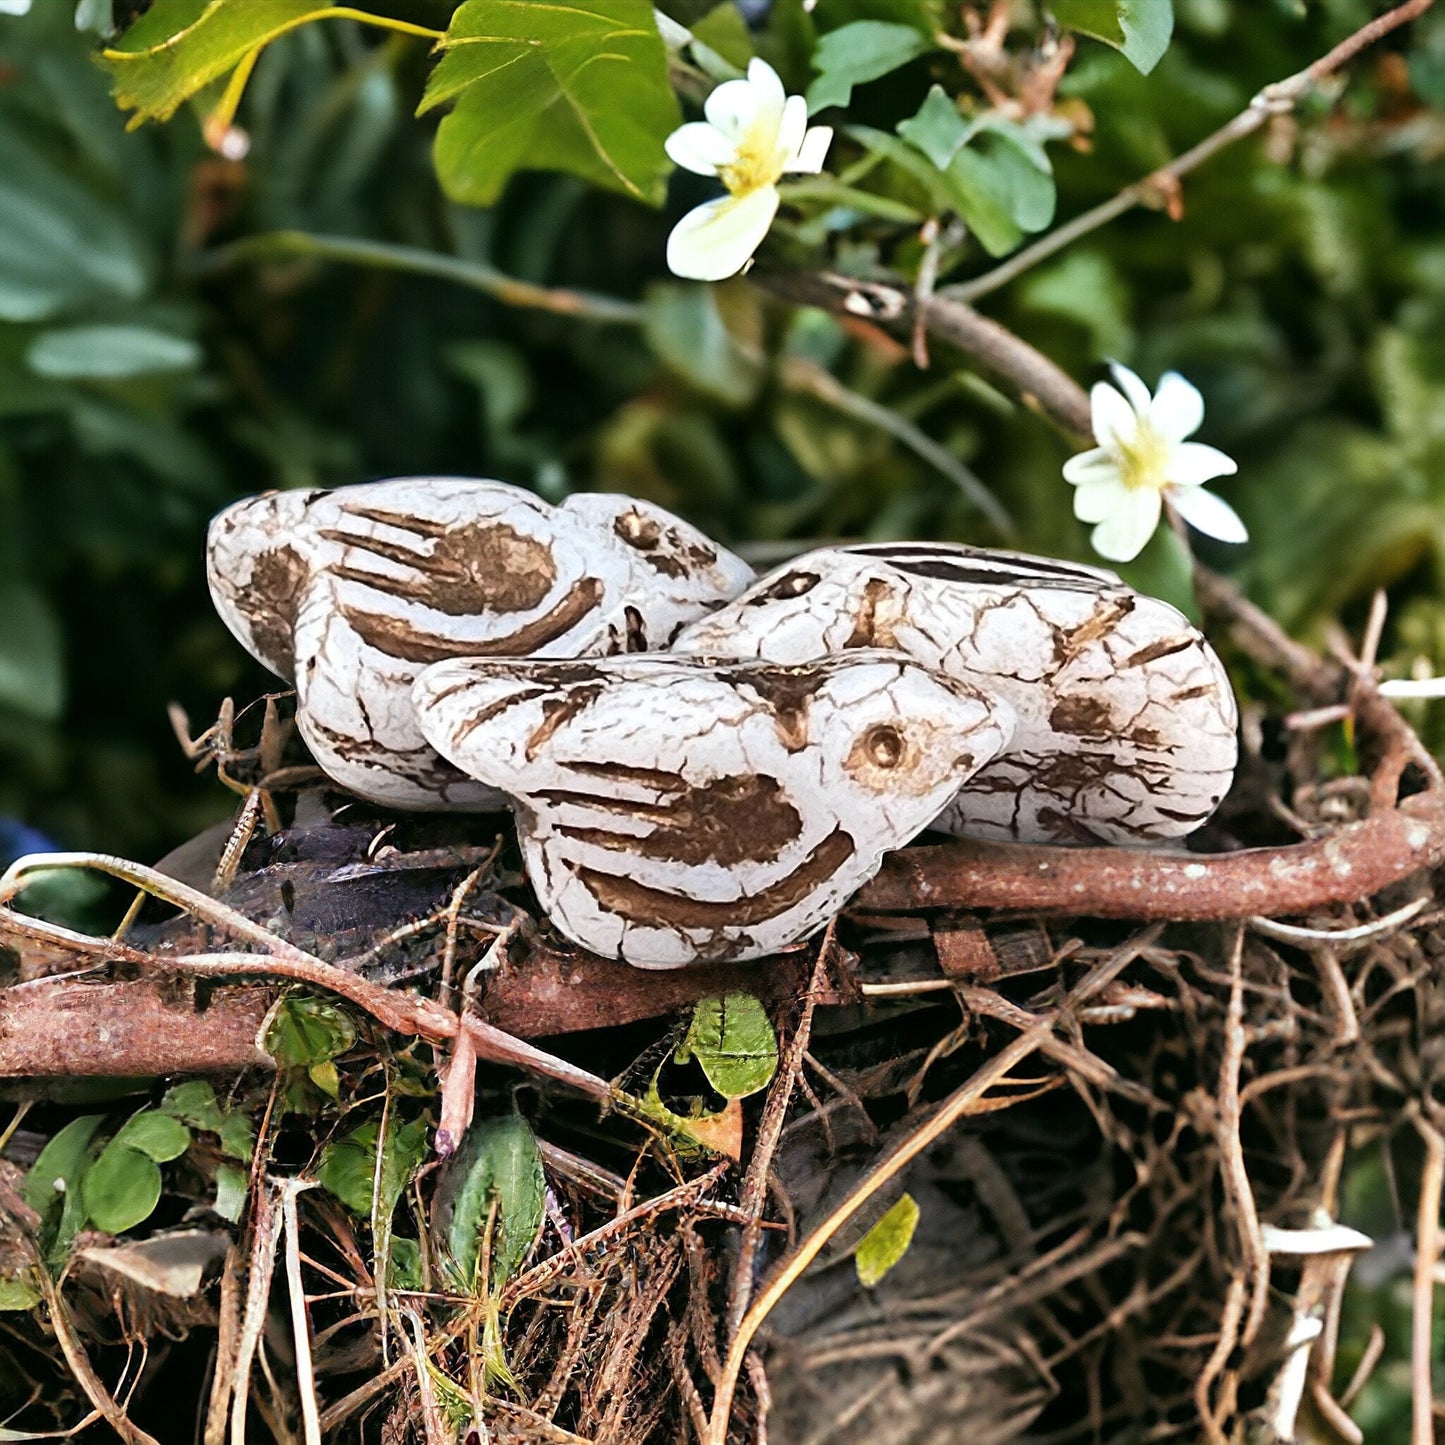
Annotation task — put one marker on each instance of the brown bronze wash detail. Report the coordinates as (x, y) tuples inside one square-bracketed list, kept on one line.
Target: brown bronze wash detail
[(396, 638), (655, 907)]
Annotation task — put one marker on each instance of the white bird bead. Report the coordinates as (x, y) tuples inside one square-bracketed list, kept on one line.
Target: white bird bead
[(1126, 720), (673, 810), (349, 593)]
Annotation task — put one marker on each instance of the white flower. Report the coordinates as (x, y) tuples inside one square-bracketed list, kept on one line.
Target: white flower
[(754, 134), (1142, 457)]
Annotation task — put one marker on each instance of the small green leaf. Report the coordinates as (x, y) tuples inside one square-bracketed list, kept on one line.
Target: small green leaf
[(733, 1041), (193, 1103), (403, 1266), (179, 46), (109, 353), (32, 668), (121, 1188), (1003, 187), (236, 1137), (937, 130), (685, 329), (18, 1294), (497, 1167), (53, 1185), (157, 1136), (326, 1078), (231, 1186), (887, 1242), (60, 1164), (856, 53), (1141, 29), (565, 86), (348, 1167), (305, 1031)]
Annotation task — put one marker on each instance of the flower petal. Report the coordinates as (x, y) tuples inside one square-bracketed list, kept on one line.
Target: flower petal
[(792, 127), (700, 147), (1132, 385), (1115, 422), (732, 108), (1095, 465), (717, 240), (1208, 514), (1121, 537), (1192, 462), (1177, 409), (1096, 501), (768, 88), (813, 152)]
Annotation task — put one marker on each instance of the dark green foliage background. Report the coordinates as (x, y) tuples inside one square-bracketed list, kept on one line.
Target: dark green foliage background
[(1303, 290)]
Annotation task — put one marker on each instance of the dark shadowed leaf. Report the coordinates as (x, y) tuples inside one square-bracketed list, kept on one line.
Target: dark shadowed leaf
[(32, 669), (306, 1031), (569, 87)]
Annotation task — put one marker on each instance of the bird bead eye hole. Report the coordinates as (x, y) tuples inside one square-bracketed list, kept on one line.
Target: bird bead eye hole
[(794, 584), (638, 531), (884, 747)]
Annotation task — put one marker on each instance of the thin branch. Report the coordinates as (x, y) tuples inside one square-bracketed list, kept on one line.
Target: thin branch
[(1427, 1254), (475, 275), (1277, 99)]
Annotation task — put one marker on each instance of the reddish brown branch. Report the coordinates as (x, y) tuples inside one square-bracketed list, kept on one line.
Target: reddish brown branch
[(1353, 863)]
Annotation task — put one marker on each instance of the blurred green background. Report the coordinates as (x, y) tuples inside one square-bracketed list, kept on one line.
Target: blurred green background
[(1303, 290)]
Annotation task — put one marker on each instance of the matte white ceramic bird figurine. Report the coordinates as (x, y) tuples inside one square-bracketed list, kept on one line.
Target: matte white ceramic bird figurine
[(673, 810), (1126, 720), (349, 593)]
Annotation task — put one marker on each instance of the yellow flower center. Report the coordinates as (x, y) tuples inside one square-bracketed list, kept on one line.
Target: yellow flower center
[(756, 163), (1144, 459)]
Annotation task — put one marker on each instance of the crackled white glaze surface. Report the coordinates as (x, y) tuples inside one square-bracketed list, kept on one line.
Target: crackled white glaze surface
[(349, 593), (673, 810), (1126, 721)]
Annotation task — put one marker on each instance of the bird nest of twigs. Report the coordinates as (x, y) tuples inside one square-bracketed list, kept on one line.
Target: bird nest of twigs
[(1122, 1092)]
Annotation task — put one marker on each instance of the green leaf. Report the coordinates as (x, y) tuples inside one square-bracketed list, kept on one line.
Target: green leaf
[(580, 88), (32, 667), (724, 32), (685, 329), (121, 1188), (326, 1078), (887, 1242), (348, 1167), (58, 1169), (60, 245), (497, 1167), (305, 1031), (938, 130), (403, 1266), (179, 46), (19, 1294), (733, 1041), (236, 1137), (109, 353), (1141, 29), (1003, 187), (157, 1136), (231, 1186), (193, 1103), (856, 53)]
